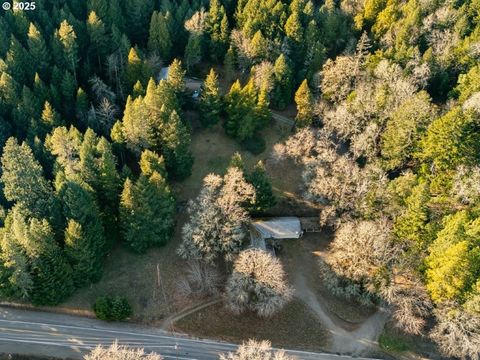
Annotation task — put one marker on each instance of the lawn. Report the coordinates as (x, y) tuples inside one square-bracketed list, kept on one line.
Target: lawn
[(136, 277), (212, 150), (404, 346), (295, 327)]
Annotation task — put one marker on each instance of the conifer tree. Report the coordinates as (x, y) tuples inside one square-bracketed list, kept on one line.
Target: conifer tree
[(25, 184), (52, 280), (99, 42), (264, 198), (176, 141), (138, 14), (229, 65), (108, 190), (283, 82), (18, 62), (176, 77), (244, 114), (217, 27), (193, 51), (262, 110), (233, 102), (84, 235), (82, 105), (135, 126), (258, 47), (47, 280), (48, 120), (147, 210), (151, 162), (67, 39), (305, 105), (210, 100), (134, 69), (138, 90), (160, 38), (39, 52), (99, 7)]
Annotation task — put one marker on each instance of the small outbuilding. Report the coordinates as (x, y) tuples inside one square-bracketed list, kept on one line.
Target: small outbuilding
[(279, 228)]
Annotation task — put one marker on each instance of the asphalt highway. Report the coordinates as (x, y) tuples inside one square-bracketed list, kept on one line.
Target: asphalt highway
[(64, 336)]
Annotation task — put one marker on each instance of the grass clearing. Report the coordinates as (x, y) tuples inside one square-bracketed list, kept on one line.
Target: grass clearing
[(217, 322), (392, 343), (135, 276), (212, 150)]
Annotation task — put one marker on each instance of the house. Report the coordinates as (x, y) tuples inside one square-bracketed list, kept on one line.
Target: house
[(264, 232), (163, 75), (192, 85)]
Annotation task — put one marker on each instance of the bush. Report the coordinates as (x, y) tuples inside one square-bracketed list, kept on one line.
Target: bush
[(392, 343), (256, 145), (112, 308)]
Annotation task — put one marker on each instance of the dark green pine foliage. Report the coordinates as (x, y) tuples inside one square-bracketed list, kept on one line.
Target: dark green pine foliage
[(19, 63), (283, 89), (25, 184), (217, 27), (233, 102), (52, 275), (84, 234), (264, 199), (245, 115), (147, 209), (160, 39), (39, 52), (42, 272), (138, 14), (108, 190), (176, 142), (99, 40), (210, 100)]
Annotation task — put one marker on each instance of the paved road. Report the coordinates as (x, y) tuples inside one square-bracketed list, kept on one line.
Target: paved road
[(30, 332)]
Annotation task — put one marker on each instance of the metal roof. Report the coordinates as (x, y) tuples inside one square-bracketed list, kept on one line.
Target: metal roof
[(279, 228)]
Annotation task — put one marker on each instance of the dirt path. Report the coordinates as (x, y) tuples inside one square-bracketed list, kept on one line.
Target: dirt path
[(168, 322), (362, 339)]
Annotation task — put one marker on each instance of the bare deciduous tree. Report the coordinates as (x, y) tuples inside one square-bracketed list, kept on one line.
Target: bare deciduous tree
[(256, 350), (359, 260), (466, 184), (200, 279), (217, 219), (263, 75), (409, 301), (197, 23), (457, 333), (257, 283), (338, 78), (120, 352)]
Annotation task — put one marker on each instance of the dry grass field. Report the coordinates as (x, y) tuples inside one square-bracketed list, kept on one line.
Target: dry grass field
[(136, 276), (295, 327)]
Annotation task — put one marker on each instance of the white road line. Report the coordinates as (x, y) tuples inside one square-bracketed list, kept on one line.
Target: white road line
[(49, 343), (226, 346)]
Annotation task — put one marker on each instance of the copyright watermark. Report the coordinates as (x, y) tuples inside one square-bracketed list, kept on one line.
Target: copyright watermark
[(19, 5)]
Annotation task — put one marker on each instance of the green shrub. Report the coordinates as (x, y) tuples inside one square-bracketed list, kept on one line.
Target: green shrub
[(392, 343), (112, 308), (256, 145)]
